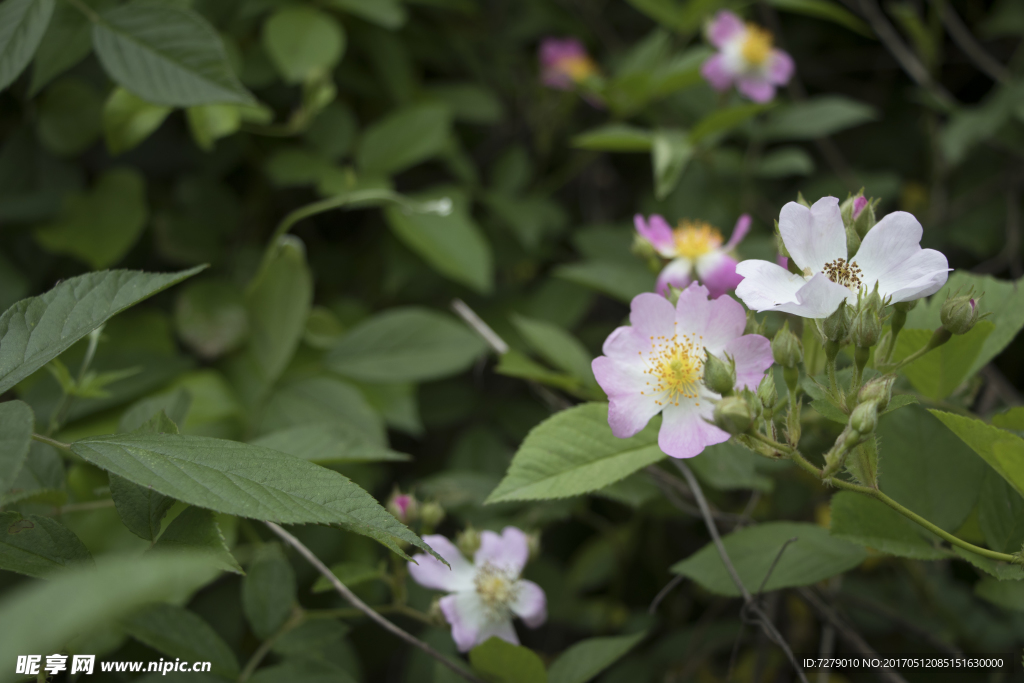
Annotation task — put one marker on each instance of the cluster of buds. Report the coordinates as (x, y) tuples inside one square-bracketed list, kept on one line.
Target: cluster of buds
[(408, 510), (737, 414), (719, 375), (873, 398), (858, 214)]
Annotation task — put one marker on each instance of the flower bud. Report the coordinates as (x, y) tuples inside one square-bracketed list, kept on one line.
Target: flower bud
[(643, 248), (719, 375), (766, 392), (905, 306), (866, 327), (852, 240), (431, 515), (753, 326), (864, 218), (435, 614), (468, 541), (864, 418), (836, 326), (533, 543), (786, 348), (403, 506), (735, 414), (960, 313), (878, 390)]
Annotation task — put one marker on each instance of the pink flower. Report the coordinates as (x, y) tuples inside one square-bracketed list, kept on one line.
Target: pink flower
[(745, 57), (655, 366), (484, 595), (696, 251), (564, 63)]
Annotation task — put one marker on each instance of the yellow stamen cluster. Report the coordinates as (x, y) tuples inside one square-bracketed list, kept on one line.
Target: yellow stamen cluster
[(675, 365), (696, 238), (757, 45), (495, 587), (577, 68), (842, 273)]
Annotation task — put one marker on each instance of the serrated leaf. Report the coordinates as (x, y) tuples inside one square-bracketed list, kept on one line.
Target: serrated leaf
[(329, 443), (22, 25), (999, 448), (268, 590), (245, 480), (177, 632), (41, 478), (1003, 571), (939, 372), (174, 404), (575, 452), (1005, 594), (1001, 514), (587, 658), (38, 546), (67, 41), (512, 363), (196, 530), (140, 508), (729, 466), (815, 556), (503, 662), (16, 425), (869, 522), (1011, 419), (317, 400), (38, 329), (166, 54)]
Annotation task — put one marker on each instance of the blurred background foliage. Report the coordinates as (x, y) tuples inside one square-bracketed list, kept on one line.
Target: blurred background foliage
[(345, 321)]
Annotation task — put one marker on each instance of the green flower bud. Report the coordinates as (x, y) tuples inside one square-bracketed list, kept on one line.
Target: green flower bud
[(787, 349), (766, 392), (403, 506), (866, 326), (734, 415), (864, 418), (878, 390), (719, 375), (753, 326), (431, 515), (533, 543), (837, 326), (852, 240), (960, 313), (468, 541), (905, 306), (643, 248)]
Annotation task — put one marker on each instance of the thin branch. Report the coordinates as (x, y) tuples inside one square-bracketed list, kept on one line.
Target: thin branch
[(900, 621), (59, 445), (751, 604), (663, 593), (965, 40), (672, 487), (485, 331), (363, 607)]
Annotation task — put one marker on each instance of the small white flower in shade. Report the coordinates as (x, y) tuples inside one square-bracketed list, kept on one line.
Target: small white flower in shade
[(486, 595), (889, 255)]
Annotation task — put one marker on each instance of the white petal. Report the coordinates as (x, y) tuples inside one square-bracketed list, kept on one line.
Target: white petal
[(766, 285), (932, 271), (431, 573), (469, 618), (813, 236), (819, 298), (887, 250), (531, 605), (509, 551)]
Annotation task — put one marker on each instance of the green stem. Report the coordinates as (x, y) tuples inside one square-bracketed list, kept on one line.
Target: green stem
[(264, 649), (59, 445), (833, 385), (82, 507)]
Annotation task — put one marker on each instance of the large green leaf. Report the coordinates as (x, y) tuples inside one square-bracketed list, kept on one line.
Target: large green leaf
[(813, 557), (404, 138), (38, 329), (621, 281), (89, 598), (329, 443), (166, 54), (864, 520), (141, 508), (587, 658), (1005, 594), (196, 530), (303, 42), (827, 10), (453, 244), (41, 478), (503, 662), (268, 590), (22, 25), (406, 344), (724, 120), (575, 452), (1001, 514), (38, 546), (729, 466), (68, 117), (817, 117), (128, 120), (244, 480), (999, 448), (556, 346), (177, 632), (67, 41), (939, 372), (16, 424), (319, 400)]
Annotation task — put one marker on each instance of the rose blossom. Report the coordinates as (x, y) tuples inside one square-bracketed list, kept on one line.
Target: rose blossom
[(564, 63), (745, 57)]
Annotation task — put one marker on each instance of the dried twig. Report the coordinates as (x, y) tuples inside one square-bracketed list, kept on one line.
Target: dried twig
[(363, 607)]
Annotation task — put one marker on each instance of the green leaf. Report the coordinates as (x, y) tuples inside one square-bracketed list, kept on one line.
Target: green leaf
[(1000, 449), (671, 151), (38, 546), (69, 117), (556, 346), (303, 42), (453, 245), (938, 373), (174, 405), (305, 670), (574, 452), (587, 658), (140, 508), (268, 590), (38, 329), (722, 120), (502, 662), (814, 557), (100, 226), (211, 122), (196, 530), (927, 471), (729, 466), (387, 13), (1011, 419), (816, 118), (22, 25), (329, 444), (615, 137), (783, 162), (1003, 571), (278, 301), (318, 400), (512, 363), (16, 425), (244, 480), (864, 520), (350, 574), (621, 281), (166, 54), (468, 102), (128, 120), (177, 632), (67, 41), (41, 478), (405, 344), (211, 318), (404, 138), (1001, 514), (1005, 594), (89, 598), (829, 11)]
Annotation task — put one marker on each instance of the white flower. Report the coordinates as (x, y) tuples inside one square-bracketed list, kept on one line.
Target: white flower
[(890, 255)]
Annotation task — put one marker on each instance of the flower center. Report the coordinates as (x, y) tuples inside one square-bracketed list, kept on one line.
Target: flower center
[(496, 588), (675, 365), (693, 239), (842, 273), (578, 68), (757, 45)]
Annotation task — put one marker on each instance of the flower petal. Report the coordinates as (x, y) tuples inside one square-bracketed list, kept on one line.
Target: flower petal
[(431, 573), (676, 273), (766, 285), (724, 27), (630, 405), (717, 271), (652, 315), (468, 616), (933, 270), (819, 298), (530, 604), (753, 355), (717, 73), (813, 236), (498, 628), (684, 433), (780, 67), (656, 230), (891, 254), (715, 322), (508, 552), (738, 232), (756, 88)]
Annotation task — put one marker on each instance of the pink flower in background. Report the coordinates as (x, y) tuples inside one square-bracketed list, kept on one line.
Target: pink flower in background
[(745, 58), (485, 595), (564, 63), (656, 366), (696, 251)]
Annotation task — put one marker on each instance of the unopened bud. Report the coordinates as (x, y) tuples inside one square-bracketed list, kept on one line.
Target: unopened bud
[(642, 248), (403, 506), (852, 240), (766, 392), (866, 326), (959, 313), (431, 515), (533, 543), (905, 306), (735, 414), (753, 326), (719, 375), (864, 218), (837, 326), (435, 614), (787, 349), (468, 541), (864, 418), (878, 390)]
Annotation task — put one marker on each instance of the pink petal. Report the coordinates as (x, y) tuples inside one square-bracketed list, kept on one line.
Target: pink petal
[(431, 573), (756, 88), (715, 322), (738, 232), (813, 236), (656, 231), (629, 410), (780, 67), (555, 50), (468, 616), (724, 27), (676, 273), (508, 552), (531, 605), (498, 628), (858, 205), (753, 355), (652, 315), (717, 73), (718, 272), (684, 432)]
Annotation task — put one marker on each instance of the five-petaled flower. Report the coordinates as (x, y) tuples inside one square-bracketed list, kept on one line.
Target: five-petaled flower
[(486, 594), (564, 63), (655, 366), (890, 255), (696, 251), (745, 57)]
